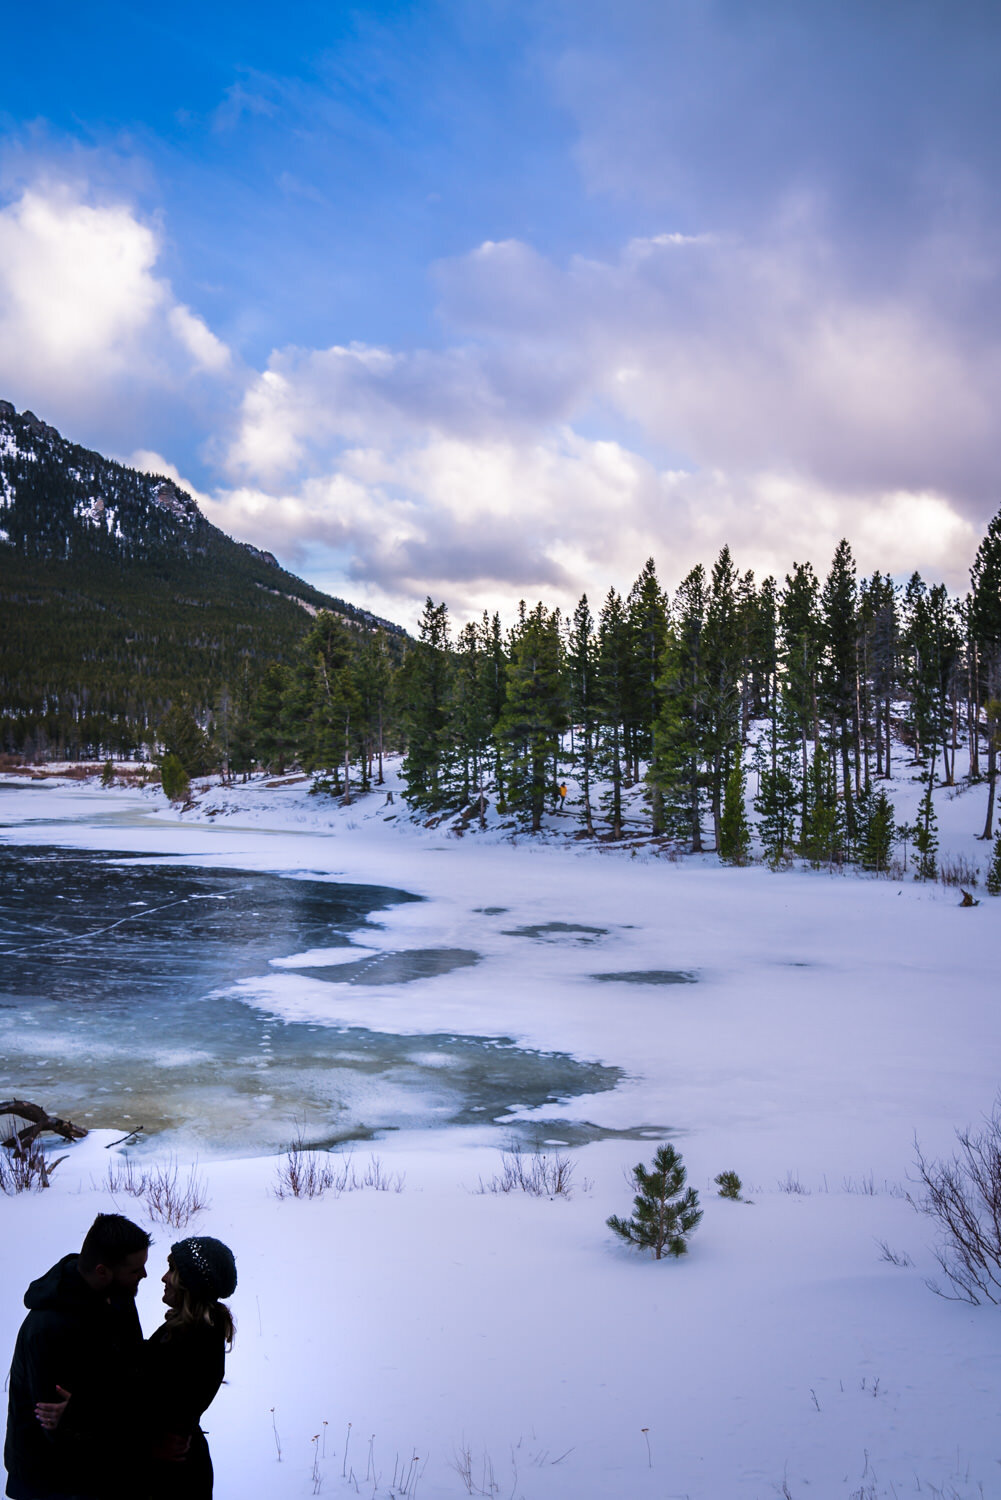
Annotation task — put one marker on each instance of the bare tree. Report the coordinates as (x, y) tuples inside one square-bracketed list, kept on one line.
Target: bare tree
[(963, 1197)]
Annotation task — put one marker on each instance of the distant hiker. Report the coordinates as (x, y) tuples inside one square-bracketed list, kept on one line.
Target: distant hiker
[(81, 1339), (185, 1363), (561, 792)]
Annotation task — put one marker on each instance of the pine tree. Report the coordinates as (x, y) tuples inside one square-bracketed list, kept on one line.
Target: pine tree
[(273, 719), (663, 1215), (877, 830), (329, 735), (108, 773), (424, 684), (723, 659), (581, 652), (884, 631), (646, 615), (496, 687), (985, 627), (926, 834), (612, 683), (239, 728), (182, 736), (679, 734), (734, 829), (779, 794), (374, 683), (471, 720), (994, 869), (534, 712), (840, 676), (822, 835), (759, 623), (800, 658), (174, 779)]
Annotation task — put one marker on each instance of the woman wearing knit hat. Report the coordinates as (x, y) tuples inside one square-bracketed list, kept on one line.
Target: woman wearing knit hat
[(185, 1363)]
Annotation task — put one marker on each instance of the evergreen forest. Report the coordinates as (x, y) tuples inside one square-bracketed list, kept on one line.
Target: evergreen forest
[(819, 684), (134, 628)]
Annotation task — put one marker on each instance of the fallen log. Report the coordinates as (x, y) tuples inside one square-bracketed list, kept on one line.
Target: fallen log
[(40, 1121)]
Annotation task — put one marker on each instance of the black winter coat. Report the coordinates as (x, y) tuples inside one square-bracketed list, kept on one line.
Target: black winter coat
[(79, 1339), (183, 1369)]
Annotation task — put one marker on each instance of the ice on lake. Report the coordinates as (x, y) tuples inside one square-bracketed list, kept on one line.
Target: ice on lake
[(120, 1006)]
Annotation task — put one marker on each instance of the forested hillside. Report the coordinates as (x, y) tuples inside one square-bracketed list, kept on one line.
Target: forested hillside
[(119, 601)]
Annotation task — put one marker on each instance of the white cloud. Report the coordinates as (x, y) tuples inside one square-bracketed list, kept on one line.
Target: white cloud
[(531, 455), (76, 282), (803, 414), (82, 311), (750, 356), (483, 523), (207, 352)]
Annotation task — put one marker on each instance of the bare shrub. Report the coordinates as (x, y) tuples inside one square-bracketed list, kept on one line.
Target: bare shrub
[(170, 1198), (957, 870), (963, 1198), (866, 1185), (173, 1200), (305, 1172), (543, 1174), (25, 1170), (893, 1257), (793, 1185), (125, 1176), (375, 1176)]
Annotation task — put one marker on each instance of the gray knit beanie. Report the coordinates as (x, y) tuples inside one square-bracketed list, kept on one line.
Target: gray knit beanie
[(205, 1266)]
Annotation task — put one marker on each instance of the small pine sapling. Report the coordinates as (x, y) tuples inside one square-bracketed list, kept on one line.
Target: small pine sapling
[(994, 869), (174, 779), (729, 1185), (108, 773), (663, 1215)]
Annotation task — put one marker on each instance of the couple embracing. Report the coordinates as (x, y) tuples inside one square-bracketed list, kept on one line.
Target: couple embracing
[(96, 1413)]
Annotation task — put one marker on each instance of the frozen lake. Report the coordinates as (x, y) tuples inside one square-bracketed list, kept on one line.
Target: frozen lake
[(117, 1006)]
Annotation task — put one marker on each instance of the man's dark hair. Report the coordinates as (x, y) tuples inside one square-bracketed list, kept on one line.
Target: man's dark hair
[(111, 1239)]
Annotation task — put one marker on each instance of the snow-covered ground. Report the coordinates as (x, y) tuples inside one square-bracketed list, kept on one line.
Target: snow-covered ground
[(831, 1018)]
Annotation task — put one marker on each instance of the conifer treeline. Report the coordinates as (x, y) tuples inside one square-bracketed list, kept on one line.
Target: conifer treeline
[(663, 693)]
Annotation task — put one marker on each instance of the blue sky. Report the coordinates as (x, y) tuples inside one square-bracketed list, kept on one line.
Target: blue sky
[(494, 299)]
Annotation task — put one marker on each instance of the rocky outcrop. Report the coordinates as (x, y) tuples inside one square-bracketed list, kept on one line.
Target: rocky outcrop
[(171, 499), (264, 557), (36, 425)]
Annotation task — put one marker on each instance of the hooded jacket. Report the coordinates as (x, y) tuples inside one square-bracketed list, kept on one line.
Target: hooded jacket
[(90, 1345)]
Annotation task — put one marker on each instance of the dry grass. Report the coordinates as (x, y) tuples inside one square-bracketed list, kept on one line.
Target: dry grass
[(170, 1197), (305, 1172), (542, 1174)]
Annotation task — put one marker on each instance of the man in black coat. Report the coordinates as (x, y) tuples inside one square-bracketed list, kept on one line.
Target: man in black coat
[(81, 1337)]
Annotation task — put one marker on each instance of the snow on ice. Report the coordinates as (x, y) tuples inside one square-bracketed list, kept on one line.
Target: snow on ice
[(499, 1344)]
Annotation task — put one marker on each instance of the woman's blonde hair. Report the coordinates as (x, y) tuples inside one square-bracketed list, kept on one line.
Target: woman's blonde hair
[(191, 1311)]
